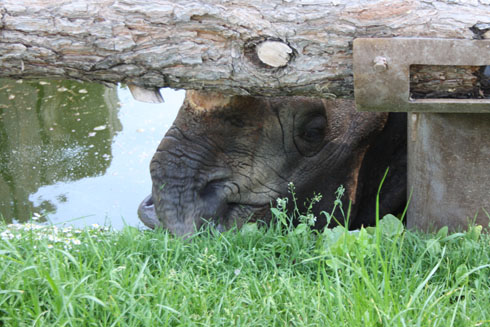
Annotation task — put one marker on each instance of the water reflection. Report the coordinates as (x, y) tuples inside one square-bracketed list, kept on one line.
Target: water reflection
[(63, 154)]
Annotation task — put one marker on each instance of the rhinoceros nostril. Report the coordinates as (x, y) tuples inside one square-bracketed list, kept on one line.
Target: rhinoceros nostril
[(212, 190), (213, 199)]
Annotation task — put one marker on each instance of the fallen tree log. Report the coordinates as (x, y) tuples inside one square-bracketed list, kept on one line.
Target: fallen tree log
[(242, 47)]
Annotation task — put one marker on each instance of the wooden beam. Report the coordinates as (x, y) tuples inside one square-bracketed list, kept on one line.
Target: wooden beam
[(241, 47)]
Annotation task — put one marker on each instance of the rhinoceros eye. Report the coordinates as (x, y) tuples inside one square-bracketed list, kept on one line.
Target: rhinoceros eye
[(314, 130), (310, 134)]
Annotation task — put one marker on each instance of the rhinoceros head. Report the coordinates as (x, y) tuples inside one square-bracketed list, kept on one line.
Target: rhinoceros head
[(227, 158)]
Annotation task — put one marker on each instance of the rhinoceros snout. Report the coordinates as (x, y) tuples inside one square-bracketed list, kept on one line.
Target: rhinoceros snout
[(147, 214)]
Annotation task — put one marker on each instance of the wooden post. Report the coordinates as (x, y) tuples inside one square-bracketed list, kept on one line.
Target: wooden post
[(448, 170)]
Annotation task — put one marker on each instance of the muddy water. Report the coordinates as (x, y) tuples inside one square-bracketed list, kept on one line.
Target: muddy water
[(77, 153)]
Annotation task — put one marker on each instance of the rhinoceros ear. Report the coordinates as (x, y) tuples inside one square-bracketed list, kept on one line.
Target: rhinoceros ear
[(206, 101), (309, 132)]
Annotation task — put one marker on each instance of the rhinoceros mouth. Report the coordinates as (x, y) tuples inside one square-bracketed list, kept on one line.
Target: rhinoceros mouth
[(240, 213), (247, 205), (232, 214)]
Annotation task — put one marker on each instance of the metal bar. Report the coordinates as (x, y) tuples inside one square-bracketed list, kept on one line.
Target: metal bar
[(382, 72)]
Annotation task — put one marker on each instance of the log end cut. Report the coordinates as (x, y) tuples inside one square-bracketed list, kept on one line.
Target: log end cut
[(274, 53)]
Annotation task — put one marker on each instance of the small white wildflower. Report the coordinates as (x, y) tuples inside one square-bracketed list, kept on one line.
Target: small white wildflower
[(95, 226), (281, 203), (76, 241), (237, 272), (53, 238), (6, 235), (310, 219), (50, 246)]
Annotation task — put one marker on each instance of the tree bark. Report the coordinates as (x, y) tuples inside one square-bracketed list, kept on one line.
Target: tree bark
[(218, 45)]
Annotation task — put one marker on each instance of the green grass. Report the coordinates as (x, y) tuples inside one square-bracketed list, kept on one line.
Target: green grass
[(276, 276)]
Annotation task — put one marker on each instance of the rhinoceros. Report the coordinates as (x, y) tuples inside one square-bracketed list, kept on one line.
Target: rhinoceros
[(227, 158)]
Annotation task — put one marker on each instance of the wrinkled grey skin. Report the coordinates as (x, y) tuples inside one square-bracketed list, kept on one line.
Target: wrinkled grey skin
[(226, 159)]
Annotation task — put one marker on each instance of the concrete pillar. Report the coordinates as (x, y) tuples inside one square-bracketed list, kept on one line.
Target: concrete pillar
[(448, 170)]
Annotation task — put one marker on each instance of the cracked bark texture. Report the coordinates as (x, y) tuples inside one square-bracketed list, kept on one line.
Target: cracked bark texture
[(210, 43)]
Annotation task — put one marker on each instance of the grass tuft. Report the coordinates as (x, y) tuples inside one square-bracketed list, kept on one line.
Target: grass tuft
[(282, 275)]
